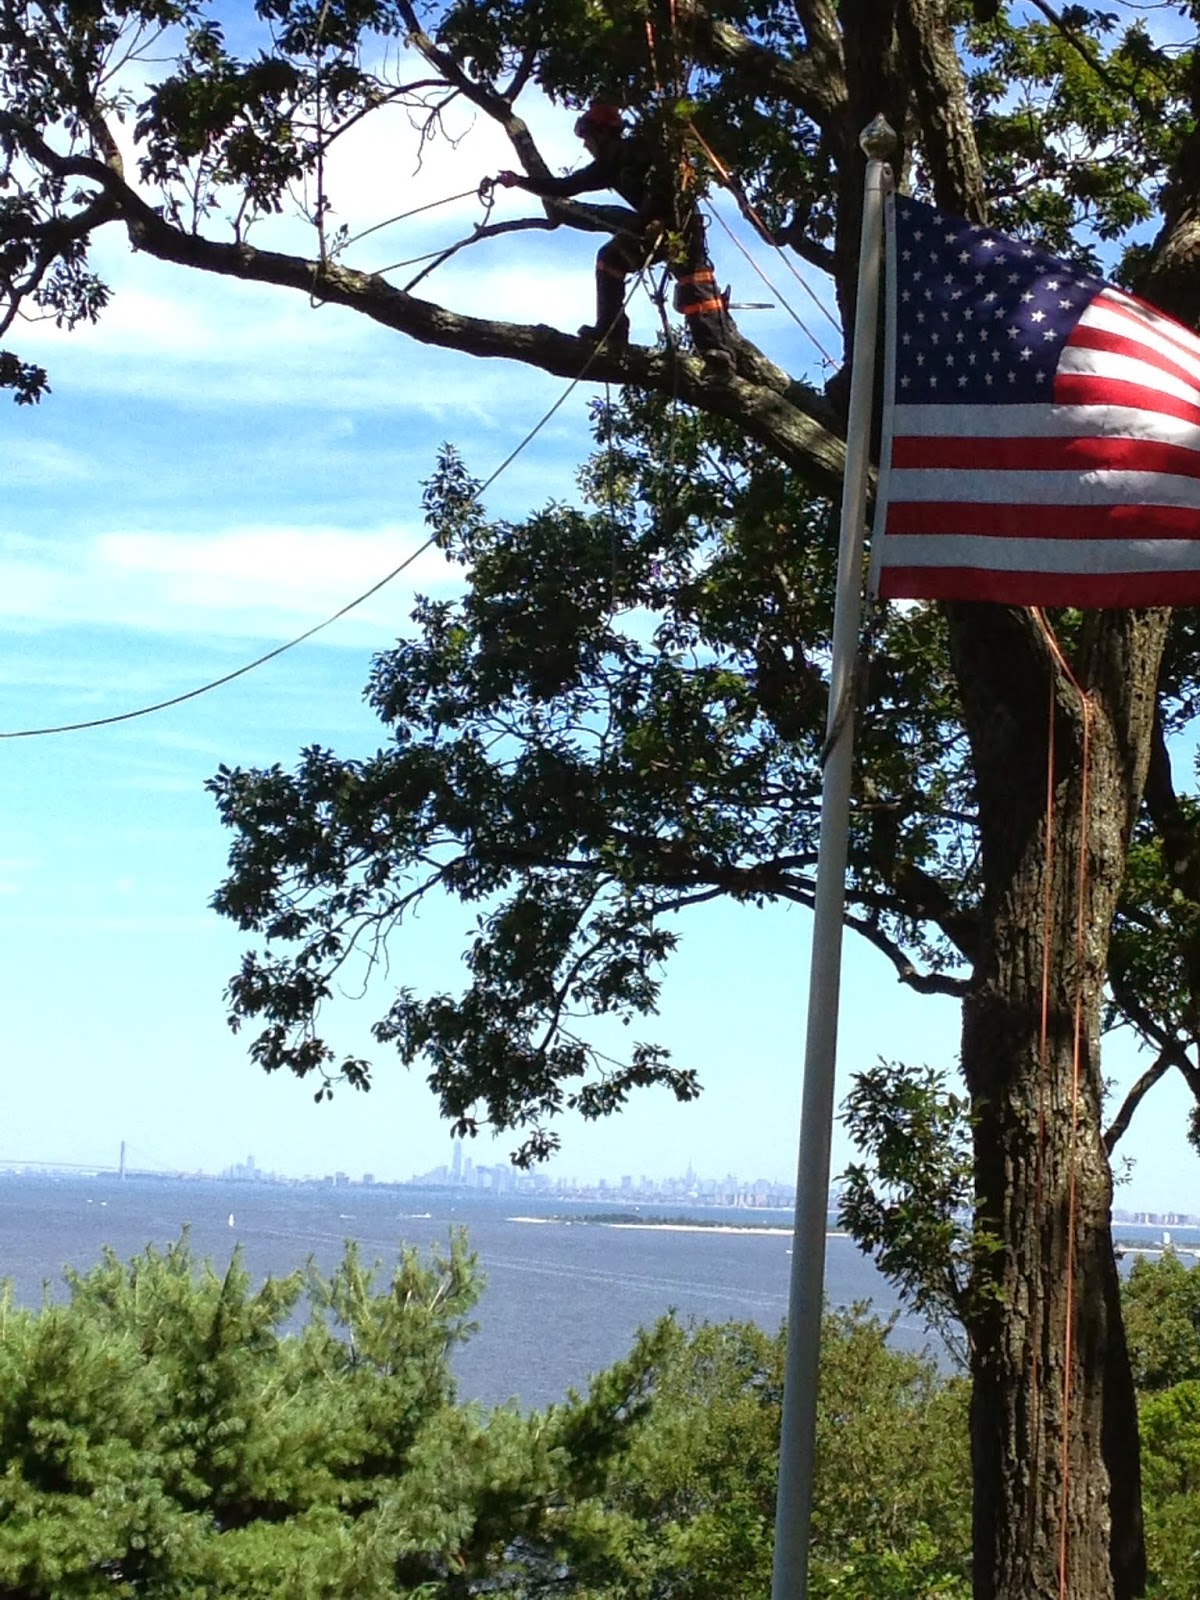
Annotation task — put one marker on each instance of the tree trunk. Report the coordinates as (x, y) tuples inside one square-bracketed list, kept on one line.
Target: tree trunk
[(1053, 1416)]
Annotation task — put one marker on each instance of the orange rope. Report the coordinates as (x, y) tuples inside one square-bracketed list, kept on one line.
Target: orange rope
[(653, 55), (1076, 1064), (1080, 954), (1043, 1060), (752, 215)]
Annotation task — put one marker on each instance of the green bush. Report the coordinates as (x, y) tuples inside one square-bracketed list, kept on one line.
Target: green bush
[(162, 1435), (170, 1431)]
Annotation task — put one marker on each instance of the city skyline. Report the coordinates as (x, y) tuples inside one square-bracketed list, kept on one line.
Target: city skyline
[(461, 1170), (690, 1190)]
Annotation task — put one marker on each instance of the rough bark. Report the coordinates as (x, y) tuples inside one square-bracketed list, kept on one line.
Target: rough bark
[(1053, 1416)]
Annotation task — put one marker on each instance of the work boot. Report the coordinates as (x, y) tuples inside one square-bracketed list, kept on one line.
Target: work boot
[(614, 334)]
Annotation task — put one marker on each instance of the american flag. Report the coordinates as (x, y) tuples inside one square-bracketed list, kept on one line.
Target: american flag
[(1042, 440)]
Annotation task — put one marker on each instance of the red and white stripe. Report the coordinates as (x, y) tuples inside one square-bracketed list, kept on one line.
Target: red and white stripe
[(1090, 499)]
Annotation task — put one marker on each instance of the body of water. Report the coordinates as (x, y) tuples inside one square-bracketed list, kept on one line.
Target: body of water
[(562, 1299)]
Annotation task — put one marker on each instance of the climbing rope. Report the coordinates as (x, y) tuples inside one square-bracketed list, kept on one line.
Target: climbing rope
[(1043, 1062), (1085, 705), (795, 316), (416, 211), (739, 194), (319, 91), (301, 638)]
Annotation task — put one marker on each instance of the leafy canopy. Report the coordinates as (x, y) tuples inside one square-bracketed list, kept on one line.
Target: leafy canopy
[(172, 1430), (615, 722)]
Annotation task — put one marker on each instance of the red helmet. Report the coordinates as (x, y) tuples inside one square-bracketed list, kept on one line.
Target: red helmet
[(599, 118)]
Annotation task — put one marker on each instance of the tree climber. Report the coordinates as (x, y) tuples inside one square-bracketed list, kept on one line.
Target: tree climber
[(669, 228)]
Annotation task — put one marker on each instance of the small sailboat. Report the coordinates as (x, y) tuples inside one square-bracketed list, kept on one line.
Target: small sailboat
[(231, 1219)]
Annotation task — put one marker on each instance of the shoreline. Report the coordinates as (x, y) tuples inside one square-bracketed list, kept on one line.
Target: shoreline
[(674, 1227)]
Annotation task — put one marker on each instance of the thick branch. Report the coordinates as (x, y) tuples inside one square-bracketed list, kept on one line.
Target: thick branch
[(940, 92), (1134, 1098), (796, 427), (824, 36), (816, 86)]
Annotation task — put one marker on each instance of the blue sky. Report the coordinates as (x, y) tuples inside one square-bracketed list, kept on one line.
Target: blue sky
[(219, 467)]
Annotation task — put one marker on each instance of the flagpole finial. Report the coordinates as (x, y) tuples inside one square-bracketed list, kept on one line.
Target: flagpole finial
[(879, 139)]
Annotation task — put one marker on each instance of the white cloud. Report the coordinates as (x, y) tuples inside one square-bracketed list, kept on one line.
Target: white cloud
[(27, 463), (257, 582)]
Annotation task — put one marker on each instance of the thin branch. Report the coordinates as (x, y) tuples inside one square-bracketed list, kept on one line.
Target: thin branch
[(491, 230), (489, 101), (909, 975), (523, 72)]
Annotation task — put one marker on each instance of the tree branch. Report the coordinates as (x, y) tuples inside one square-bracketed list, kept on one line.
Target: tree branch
[(493, 104), (943, 109), (811, 250), (909, 975), (1171, 1050), (1180, 846), (817, 89), (1134, 1098), (797, 426)]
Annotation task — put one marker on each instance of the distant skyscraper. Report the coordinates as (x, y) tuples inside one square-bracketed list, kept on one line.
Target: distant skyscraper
[(456, 1160)]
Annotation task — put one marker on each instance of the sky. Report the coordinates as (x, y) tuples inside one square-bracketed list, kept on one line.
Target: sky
[(218, 468)]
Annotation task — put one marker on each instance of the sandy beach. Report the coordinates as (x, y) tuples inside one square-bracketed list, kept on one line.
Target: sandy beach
[(697, 1227)]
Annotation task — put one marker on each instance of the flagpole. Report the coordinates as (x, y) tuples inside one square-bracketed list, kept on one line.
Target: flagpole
[(793, 1511)]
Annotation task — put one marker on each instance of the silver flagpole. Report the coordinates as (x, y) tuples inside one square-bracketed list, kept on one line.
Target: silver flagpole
[(793, 1511)]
